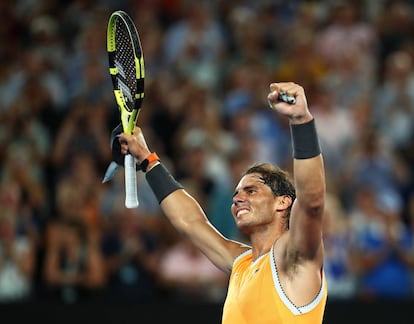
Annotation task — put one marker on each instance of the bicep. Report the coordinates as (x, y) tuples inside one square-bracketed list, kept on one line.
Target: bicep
[(305, 232), (306, 223)]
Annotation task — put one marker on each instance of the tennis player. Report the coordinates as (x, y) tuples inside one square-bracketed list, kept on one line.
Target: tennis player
[(279, 278)]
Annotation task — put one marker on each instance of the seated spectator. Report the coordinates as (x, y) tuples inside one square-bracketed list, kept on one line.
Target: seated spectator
[(130, 259), (17, 262), (379, 236), (73, 264), (190, 276), (337, 264)]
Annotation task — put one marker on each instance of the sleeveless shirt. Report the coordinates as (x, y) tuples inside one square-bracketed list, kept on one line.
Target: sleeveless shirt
[(255, 295)]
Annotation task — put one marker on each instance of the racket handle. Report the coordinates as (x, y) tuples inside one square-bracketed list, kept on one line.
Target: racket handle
[(131, 195), (289, 99)]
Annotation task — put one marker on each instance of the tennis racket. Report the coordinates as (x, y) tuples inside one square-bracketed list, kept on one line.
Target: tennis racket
[(126, 67)]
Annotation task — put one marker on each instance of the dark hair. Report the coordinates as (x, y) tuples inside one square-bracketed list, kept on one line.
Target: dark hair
[(278, 181)]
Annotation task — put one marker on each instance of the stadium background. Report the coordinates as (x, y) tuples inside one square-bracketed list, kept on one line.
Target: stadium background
[(208, 66)]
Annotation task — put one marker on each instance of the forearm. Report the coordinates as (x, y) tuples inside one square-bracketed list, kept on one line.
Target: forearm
[(309, 180), (178, 206), (183, 211), (188, 218)]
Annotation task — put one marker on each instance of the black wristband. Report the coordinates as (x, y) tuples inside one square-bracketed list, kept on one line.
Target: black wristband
[(305, 141), (161, 182)]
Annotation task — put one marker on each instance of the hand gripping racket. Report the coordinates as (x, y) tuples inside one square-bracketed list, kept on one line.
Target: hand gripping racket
[(284, 97), (126, 67), (289, 99)]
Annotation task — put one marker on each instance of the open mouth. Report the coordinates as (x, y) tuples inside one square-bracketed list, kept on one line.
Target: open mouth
[(242, 211)]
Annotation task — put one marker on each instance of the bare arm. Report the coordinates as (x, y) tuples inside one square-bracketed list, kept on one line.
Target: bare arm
[(306, 219), (305, 238), (185, 213), (188, 218)]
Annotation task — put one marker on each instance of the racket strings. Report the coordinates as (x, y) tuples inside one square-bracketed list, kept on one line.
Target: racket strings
[(125, 63)]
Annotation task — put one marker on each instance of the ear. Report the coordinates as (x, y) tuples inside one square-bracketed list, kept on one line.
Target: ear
[(283, 202)]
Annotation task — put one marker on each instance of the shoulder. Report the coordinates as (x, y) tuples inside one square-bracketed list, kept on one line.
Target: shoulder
[(240, 253)]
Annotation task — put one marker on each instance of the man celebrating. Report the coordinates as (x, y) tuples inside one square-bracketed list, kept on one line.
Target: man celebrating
[(280, 277)]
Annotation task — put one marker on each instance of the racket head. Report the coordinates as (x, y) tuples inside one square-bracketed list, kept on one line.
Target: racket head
[(126, 67)]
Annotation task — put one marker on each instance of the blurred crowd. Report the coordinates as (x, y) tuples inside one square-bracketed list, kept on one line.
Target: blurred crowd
[(67, 238)]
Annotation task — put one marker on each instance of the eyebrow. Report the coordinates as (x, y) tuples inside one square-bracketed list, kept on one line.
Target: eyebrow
[(244, 189), (249, 187)]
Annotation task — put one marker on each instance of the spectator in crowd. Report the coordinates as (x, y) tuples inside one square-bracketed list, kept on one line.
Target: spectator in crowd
[(338, 262), (84, 130), (78, 192), (337, 127), (17, 262), (131, 258), (195, 44), (394, 25), (74, 270), (189, 276), (349, 45), (369, 162), (379, 240), (394, 100)]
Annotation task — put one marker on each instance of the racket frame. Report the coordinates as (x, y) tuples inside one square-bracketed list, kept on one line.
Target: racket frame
[(129, 115)]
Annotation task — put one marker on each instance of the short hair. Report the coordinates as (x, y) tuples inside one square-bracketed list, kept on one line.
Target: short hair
[(278, 180)]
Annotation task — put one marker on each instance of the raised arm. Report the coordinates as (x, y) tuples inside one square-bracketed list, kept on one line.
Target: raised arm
[(305, 234), (183, 211)]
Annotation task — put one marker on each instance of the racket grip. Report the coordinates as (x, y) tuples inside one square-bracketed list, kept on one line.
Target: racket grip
[(131, 195), (289, 99)]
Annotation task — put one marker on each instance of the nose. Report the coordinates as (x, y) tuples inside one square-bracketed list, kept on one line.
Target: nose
[(238, 198)]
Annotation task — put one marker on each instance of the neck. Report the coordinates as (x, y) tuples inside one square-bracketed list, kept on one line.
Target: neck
[(263, 237), (261, 244)]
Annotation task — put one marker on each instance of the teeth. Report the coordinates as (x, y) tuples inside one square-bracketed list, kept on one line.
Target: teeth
[(242, 212)]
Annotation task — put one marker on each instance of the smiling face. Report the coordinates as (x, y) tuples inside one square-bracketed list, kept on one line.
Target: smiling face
[(254, 203)]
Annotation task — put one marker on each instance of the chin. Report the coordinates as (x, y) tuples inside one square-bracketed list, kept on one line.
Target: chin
[(244, 229)]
